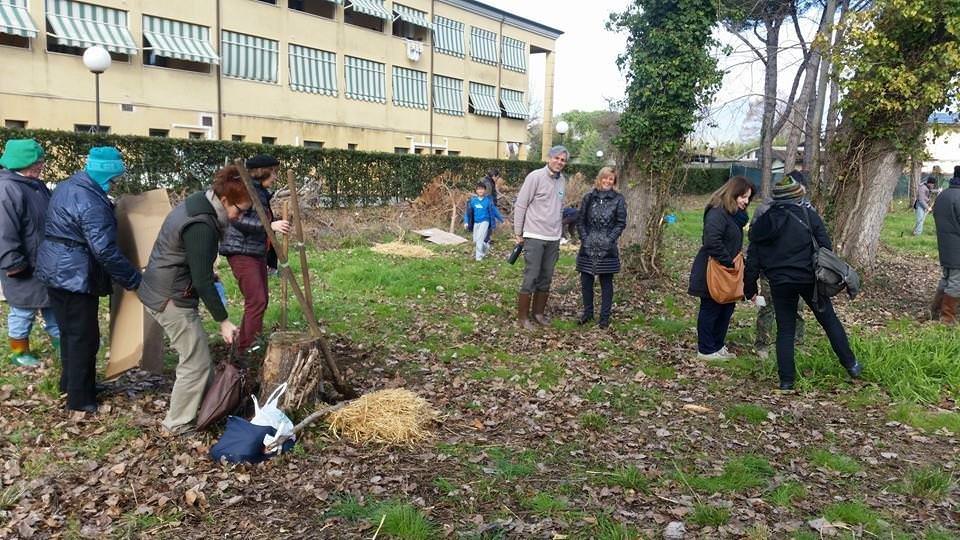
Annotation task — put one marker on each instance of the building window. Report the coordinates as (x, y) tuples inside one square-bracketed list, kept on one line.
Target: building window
[(453, 152), (514, 54), (448, 36), (271, 2), (249, 57), (268, 140), (320, 8), (74, 26), (159, 132), (409, 88), (411, 23), (483, 100), (90, 128), (206, 120), (127, 107), (313, 145), (483, 46), (447, 95), (365, 80), (196, 135), (366, 13), (312, 70), (401, 150), (418, 151), (177, 45), (513, 104), (237, 138), (15, 124), (438, 152), (351, 146), (14, 41)]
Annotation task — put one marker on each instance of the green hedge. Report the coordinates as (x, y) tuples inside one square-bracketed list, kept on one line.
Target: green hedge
[(348, 178), (701, 181)]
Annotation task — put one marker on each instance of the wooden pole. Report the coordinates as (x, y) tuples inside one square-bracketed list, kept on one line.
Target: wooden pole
[(285, 271), (284, 292), (298, 224)]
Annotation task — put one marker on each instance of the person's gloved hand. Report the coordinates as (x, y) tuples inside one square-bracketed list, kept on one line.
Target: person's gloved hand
[(749, 290)]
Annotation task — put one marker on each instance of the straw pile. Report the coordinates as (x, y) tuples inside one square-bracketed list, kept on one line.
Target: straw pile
[(403, 250), (396, 416)]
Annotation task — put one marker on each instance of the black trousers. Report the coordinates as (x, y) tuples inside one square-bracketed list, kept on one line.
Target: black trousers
[(79, 342), (606, 294), (713, 320), (785, 298)]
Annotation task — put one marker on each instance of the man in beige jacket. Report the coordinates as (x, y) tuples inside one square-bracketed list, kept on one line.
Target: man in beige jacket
[(537, 224)]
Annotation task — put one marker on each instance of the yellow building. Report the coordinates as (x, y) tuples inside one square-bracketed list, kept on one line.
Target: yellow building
[(421, 76)]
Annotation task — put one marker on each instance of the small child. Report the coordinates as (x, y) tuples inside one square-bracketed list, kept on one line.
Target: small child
[(481, 218)]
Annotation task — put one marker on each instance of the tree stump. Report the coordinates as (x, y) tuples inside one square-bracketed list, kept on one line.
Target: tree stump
[(293, 358)]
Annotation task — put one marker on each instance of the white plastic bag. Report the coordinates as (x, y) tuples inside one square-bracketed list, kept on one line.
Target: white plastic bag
[(270, 415)]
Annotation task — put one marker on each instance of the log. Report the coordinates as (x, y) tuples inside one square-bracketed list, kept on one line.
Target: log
[(284, 352)]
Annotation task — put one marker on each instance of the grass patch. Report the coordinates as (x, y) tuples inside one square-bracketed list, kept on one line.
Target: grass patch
[(920, 418), (136, 525), (10, 496), (629, 477), (444, 485), (705, 515), (836, 462), (753, 414), (628, 399), (545, 504), (853, 513), (897, 231), (97, 447), (593, 421), (400, 520), (932, 483), (510, 464), (547, 374), (939, 533), (784, 495), (740, 474), (608, 529)]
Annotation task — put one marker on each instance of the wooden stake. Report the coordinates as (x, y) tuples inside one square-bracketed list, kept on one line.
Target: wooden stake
[(284, 293), (306, 422), (298, 224), (285, 271)]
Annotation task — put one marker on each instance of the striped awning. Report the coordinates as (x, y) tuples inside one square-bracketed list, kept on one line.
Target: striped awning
[(514, 54), (448, 36), (514, 106), (447, 95), (483, 45), (374, 8), (365, 80), (409, 88), (76, 24), (175, 39), (313, 70), (15, 19), (249, 57), (483, 99), (412, 16)]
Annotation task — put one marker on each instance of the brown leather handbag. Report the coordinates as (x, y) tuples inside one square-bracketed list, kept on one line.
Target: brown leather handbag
[(725, 284), (225, 394)]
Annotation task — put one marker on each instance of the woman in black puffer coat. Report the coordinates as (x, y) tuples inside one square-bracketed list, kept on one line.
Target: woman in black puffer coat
[(603, 216)]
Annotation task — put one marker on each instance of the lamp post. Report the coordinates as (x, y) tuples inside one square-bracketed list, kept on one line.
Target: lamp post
[(599, 155), (97, 60), (562, 128)]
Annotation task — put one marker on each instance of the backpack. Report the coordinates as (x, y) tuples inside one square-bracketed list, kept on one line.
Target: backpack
[(832, 273)]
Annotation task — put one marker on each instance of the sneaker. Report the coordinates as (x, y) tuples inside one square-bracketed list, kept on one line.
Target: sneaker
[(727, 355), (24, 360), (855, 370), (786, 388), (712, 356)]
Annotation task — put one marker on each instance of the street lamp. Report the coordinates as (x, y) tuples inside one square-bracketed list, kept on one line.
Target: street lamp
[(562, 128), (97, 60), (599, 155)]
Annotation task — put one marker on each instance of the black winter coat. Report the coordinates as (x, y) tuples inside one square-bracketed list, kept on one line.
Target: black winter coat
[(946, 213), (781, 247), (602, 219), (23, 209), (246, 235), (722, 239)]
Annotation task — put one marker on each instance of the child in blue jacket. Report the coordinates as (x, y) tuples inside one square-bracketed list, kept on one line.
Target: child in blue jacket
[(481, 217)]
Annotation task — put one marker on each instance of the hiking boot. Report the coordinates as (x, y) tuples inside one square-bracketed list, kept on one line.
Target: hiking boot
[(948, 311), (604, 322), (786, 388), (584, 319), (936, 306), (539, 306), (523, 312)]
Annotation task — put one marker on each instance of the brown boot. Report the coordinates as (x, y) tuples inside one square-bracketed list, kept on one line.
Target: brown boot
[(539, 306), (936, 306), (948, 312), (523, 312)]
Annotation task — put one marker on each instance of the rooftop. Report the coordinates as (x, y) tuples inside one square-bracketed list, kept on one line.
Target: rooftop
[(496, 13), (943, 117)]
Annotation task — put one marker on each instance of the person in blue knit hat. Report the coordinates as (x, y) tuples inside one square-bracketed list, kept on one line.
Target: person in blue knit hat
[(79, 261), (23, 208)]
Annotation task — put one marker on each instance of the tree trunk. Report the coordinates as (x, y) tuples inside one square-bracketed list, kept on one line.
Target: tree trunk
[(861, 198), (813, 142), (772, 40), (292, 357), (826, 182), (646, 197)]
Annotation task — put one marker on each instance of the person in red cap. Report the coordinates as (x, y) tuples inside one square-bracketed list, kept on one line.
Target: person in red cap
[(245, 246)]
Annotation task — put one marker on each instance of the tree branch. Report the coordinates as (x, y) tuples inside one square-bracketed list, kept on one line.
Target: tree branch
[(756, 51), (778, 124)]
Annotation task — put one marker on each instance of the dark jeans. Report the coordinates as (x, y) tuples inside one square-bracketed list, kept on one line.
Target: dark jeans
[(540, 260), (79, 342), (785, 298), (251, 274), (713, 320), (606, 294)]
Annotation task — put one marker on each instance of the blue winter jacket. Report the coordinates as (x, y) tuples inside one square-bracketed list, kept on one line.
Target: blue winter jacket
[(481, 209), (79, 252)]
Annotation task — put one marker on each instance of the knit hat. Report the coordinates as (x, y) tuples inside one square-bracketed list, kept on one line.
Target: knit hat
[(104, 163), (262, 160), (21, 153), (787, 189)]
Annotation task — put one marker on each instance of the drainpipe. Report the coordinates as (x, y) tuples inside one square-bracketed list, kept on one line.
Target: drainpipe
[(499, 83), (219, 78), (433, 39)]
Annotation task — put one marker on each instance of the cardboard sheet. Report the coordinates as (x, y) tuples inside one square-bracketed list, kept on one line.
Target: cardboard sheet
[(136, 340), (438, 236)]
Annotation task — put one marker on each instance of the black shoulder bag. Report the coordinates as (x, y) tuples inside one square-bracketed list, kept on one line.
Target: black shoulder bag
[(832, 273)]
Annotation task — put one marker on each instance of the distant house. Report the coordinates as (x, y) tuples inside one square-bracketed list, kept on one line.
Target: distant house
[(751, 158), (945, 149)]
